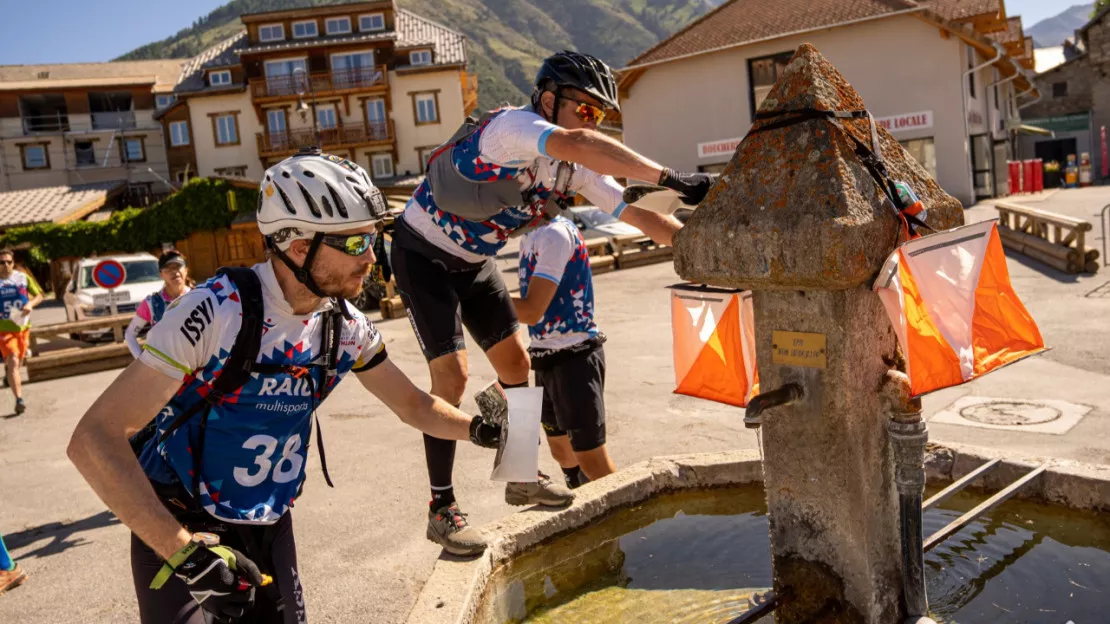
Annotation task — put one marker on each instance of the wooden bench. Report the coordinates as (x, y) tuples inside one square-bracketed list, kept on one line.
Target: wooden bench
[(75, 327), (602, 259), (77, 361), (633, 250), (1048, 237), (65, 358)]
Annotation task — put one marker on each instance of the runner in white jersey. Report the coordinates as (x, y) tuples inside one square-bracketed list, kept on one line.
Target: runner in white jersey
[(496, 176), (209, 499)]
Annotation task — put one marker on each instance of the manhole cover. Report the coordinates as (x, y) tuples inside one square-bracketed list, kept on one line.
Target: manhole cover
[(1011, 413)]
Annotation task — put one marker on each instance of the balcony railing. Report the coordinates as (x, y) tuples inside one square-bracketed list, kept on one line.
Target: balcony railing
[(61, 122), (285, 85), (115, 120), (58, 122), (272, 143)]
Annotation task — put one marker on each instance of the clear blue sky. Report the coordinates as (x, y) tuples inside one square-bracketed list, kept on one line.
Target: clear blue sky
[(70, 31)]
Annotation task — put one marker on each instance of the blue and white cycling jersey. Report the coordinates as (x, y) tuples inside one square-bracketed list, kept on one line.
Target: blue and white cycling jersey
[(257, 439), (557, 253), (509, 145)]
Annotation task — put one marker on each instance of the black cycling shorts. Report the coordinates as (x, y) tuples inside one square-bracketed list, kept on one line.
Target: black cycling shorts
[(442, 293), (574, 398), (281, 602)]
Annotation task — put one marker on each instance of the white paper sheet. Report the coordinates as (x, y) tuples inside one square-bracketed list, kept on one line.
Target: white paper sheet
[(16, 316), (520, 459)]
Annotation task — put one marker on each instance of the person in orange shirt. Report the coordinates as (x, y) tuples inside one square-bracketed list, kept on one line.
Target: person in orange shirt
[(19, 294)]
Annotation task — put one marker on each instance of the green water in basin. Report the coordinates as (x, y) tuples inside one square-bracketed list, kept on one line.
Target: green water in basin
[(701, 556)]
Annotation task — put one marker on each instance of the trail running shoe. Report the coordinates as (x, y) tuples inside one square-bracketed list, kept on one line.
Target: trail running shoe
[(542, 492), (10, 579), (447, 526)]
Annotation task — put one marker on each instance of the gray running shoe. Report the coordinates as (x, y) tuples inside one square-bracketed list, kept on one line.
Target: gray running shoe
[(447, 526), (542, 492)]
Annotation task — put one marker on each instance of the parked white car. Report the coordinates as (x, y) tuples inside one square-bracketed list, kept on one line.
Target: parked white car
[(594, 222), (84, 299)]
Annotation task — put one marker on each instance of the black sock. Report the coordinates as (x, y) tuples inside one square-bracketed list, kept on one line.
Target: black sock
[(508, 385), (440, 456), (572, 476)]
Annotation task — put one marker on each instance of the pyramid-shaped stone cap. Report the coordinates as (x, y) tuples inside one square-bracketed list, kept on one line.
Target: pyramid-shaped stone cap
[(796, 208)]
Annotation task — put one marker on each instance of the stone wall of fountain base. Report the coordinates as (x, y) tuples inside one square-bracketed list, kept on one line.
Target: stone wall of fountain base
[(456, 587)]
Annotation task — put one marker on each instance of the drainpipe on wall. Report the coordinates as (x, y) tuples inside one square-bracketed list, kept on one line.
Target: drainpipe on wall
[(999, 83), (1032, 86), (998, 53)]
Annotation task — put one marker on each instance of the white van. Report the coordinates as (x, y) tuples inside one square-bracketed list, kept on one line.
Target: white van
[(84, 299)]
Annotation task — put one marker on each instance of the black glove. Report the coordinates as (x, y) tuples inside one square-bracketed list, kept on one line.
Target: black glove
[(220, 579), (485, 433), (693, 187)]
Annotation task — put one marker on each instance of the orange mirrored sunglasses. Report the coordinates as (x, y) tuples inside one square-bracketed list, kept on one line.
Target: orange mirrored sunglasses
[(589, 113)]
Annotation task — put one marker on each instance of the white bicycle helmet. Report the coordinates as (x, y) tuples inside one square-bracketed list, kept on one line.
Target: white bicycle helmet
[(317, 192), (311, 194)]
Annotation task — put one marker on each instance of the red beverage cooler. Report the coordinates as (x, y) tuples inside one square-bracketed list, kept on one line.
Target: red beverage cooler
[(1015, 176), (1027, 176), (1038, 175)]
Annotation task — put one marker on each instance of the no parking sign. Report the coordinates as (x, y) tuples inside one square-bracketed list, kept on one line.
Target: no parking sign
[(109, 274)]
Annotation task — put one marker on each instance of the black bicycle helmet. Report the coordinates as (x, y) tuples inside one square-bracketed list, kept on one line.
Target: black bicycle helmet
[(580, 71)]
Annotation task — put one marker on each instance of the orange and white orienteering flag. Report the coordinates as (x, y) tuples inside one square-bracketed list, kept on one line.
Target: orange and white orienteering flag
[(714, 344), (949, 298)]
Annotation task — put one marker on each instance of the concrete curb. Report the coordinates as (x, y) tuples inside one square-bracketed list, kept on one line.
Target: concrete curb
[(1068, 483), (456, 585)]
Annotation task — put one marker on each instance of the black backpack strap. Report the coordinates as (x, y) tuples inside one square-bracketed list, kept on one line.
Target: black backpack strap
[(236, 371), (871, 157), (331, 333)]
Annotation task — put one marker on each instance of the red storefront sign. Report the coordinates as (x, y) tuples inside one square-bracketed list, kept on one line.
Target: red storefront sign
[(908, 121), (724, 147)]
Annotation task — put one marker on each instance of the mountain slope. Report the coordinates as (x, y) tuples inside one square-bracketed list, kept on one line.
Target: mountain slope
[(1053, 30), (507, 38)]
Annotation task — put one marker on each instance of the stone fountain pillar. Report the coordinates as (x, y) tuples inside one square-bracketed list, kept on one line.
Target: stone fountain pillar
[(797, 219)]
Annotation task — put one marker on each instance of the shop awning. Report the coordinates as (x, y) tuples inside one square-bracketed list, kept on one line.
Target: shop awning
[(1028, 129), (1032, 127)]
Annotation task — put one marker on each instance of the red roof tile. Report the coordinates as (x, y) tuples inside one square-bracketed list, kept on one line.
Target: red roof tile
[(744, 21), (1012, 34), (962, 9)]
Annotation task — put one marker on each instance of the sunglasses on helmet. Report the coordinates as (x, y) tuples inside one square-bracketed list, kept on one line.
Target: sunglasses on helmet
[(350, 244)]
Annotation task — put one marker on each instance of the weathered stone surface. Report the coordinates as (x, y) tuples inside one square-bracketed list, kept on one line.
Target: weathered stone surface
[(456, 587), (828, 470), (796, 208)]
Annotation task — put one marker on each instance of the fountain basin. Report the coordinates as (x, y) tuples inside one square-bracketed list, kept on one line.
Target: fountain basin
[(457, 588)]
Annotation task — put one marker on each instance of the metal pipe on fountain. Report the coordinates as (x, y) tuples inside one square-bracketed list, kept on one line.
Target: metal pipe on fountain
[(787, 394), (908, 437)]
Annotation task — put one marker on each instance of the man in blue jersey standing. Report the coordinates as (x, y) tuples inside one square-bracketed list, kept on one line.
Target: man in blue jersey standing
[(557, 303), (497, 175), (234, 372)]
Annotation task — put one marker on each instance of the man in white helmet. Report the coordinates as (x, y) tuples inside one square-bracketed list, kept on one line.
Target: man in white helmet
[(234, 372)]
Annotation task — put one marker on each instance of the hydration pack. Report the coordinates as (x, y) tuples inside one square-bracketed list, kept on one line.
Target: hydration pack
[(474, 200)]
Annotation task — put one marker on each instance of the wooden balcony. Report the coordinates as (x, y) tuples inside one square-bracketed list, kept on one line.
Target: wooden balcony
[(346, 136), (469, 91), (286, 86)]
